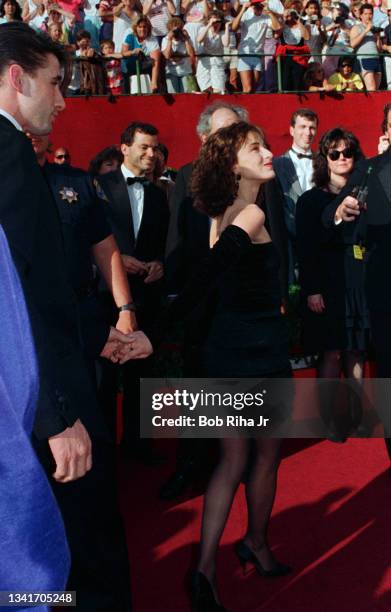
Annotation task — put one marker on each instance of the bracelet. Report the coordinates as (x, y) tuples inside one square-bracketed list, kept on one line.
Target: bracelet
[(131, 306)]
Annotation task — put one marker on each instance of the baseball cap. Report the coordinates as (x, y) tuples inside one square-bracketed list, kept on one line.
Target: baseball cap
[(257, 1)]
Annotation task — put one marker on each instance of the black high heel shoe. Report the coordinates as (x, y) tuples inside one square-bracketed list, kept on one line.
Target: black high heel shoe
[(202, 596), (246, 555)]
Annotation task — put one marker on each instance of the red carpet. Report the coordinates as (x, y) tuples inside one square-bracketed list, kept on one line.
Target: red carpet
[(331, 522)]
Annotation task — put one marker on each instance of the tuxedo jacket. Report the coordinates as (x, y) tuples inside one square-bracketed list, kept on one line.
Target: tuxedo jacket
[(152, 235), (291, 189), (30, 220), (188, 235), (374, 225)]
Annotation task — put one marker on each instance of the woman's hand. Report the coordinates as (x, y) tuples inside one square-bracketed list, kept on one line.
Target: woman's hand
[(315, 303)]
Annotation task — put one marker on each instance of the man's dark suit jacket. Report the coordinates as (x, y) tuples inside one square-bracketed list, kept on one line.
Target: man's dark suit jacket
[(377, 219), (30, 221), (188, 234), (151, 239)]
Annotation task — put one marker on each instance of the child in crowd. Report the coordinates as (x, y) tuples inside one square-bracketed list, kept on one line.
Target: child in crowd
[(315, 80), (345, 79), (180, 58), (55, 32), (92, 76), (114, 79), (64, 19)]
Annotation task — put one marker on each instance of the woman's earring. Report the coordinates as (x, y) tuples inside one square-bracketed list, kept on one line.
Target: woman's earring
[(237, 179)]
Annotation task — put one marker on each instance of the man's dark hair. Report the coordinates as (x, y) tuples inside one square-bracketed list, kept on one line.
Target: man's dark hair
[(127, 136), (345, 59), (366, 7), (20, 44), (82, 34), (307, 113), (386, 110)]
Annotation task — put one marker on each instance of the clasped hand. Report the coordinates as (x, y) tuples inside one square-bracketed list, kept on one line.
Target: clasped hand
[(119, 347)]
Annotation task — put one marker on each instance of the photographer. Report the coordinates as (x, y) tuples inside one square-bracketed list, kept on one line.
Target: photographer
[(312, 19), (293, 51), (365, 39), (180, 58), (337, 28), (211, 67), (254, 22)]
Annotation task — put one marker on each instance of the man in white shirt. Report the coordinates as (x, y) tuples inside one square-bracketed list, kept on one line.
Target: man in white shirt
[(294, 171), (138, 213)]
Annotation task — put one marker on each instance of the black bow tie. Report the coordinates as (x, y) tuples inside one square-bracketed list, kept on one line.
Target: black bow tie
[(302, 155), (131, 180)]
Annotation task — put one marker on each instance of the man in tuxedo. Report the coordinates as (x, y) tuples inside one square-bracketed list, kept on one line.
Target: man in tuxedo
[(294, 173), (138, 213), (67, 417), (371, 227), (187, 245), (30, 97)]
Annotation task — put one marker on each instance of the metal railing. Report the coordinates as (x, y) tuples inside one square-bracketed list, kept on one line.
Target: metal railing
[(278, 68)]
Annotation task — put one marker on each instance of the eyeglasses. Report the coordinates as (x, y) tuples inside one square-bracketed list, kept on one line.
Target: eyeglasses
[(334, 154), (63, 156)]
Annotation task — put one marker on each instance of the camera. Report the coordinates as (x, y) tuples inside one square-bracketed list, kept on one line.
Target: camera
[(375, 30), (339, 20)]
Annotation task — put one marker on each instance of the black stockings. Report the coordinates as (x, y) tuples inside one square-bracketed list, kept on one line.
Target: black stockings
[(260, 493)]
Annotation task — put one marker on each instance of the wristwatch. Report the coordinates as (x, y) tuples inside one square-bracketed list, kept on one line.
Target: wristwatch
[(131, 306)]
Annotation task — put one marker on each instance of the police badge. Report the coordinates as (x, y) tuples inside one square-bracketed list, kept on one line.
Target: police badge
[(68, 194)]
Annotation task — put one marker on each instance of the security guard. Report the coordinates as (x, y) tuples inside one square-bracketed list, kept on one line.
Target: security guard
[(99, 571)]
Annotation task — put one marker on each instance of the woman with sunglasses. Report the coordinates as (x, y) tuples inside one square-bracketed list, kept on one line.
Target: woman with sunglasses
[(335, 316)]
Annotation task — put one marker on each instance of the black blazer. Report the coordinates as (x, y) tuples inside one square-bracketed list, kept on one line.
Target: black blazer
[(151, 239), (188, 234), (31, 223), (375, 224)]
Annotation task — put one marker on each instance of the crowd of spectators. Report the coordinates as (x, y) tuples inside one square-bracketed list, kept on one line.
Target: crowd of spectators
[(183, 46)]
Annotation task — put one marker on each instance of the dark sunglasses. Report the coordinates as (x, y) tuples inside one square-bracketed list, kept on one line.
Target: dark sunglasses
[(62, 156), (334, 154)]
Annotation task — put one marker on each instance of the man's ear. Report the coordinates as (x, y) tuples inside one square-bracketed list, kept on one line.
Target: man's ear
[(124, 149), (16, 77), (291, 130)]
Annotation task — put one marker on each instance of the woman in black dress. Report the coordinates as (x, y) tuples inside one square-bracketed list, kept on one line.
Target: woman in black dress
[(331, 271), (247, 337)]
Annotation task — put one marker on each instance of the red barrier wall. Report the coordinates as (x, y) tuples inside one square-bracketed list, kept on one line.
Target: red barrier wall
[(88, 125)]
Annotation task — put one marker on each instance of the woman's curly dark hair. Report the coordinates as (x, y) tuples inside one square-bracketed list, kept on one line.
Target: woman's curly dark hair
[(214, 184), (330, 140)]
